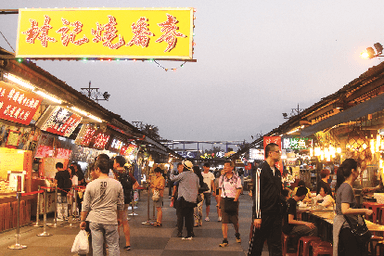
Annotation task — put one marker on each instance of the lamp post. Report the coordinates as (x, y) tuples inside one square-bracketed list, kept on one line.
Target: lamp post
[(96, 94), (370, 53)]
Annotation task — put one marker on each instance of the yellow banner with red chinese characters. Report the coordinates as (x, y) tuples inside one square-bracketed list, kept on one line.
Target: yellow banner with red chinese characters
[(106, 33)]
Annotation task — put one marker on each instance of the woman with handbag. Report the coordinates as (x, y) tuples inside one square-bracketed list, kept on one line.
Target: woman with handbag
[(345, 241), (158, 189)]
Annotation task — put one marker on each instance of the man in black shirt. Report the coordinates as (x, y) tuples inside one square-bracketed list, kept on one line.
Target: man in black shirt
[(266, 210), (292, 226), (63, 183), (323, 183)]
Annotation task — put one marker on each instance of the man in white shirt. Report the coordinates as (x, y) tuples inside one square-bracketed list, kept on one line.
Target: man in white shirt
[(208, 178)]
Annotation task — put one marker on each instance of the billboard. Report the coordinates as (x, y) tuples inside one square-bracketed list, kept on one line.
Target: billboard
[(106, 33)]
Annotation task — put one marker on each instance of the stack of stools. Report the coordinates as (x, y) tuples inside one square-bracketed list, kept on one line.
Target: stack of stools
[(321, 248), (379, 250), (284, 244), (303, 245)]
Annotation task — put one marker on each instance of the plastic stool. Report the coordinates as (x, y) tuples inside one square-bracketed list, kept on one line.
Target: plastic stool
[(284, 244), (321, 248), (303, 245), (379, 249)]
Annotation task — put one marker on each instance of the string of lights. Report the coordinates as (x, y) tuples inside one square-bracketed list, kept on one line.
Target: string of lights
[(166, 69)]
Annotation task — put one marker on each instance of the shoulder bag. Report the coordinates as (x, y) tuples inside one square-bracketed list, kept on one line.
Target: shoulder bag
[(358, 228), (156, 195)]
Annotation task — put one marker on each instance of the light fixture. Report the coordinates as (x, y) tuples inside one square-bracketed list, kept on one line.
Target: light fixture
[(82, 112), (18, 81), (48, 97)]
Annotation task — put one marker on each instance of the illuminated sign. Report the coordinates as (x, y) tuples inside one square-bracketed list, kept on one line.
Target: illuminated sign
[(16, 105), (60, 121), (297, 143), (89, 136), (116, 144), (106, 33), (129, 150)]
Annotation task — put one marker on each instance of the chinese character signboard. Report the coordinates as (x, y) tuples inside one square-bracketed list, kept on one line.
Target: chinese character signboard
[(106, 33), (129, 150), (16, 105), (297, 143), (60, 121)]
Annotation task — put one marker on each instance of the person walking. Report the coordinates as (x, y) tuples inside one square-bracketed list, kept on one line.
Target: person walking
[(128, 182), (187, 195), (103, 207), (209, 180), (230, 189), (217, 193), (198, 210), (344, 242), (158, 185), (266, 212)]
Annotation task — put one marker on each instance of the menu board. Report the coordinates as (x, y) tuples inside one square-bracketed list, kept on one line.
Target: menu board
[(58, 120), (10, 160), (116, 144), (17, 105)]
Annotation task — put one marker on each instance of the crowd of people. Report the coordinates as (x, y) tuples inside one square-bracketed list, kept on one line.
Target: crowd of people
[(105, 202)]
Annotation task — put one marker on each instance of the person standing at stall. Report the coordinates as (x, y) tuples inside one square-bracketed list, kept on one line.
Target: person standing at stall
[(64, 184), (266, 212), (344, 242)]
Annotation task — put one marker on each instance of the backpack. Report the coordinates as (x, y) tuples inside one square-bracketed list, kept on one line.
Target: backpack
[(126, 183)]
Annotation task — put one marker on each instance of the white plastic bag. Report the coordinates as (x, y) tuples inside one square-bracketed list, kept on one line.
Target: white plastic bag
[(80, 245)]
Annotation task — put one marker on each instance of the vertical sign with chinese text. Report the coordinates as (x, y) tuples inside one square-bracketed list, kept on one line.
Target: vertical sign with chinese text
[(277, 140), (106, 33)]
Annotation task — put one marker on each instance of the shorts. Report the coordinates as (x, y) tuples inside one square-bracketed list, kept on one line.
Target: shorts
[(229, 218), (159, 203), (207, 198)]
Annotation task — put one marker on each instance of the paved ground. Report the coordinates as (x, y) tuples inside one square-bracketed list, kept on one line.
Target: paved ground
[(145, 240)]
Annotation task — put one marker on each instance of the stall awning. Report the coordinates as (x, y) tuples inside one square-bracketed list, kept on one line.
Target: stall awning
[(367, 107)]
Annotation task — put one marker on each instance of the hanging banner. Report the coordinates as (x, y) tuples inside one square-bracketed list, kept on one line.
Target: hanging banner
[(58, 120), (106, 33), (17, 105), (277, 140)]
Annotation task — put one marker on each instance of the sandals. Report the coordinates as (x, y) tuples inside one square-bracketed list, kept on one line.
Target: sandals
[(157, 224), (127, 248)]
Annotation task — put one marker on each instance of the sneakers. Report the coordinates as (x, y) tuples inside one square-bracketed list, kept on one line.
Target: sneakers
[(179, 234), (224, 243), (187, 238), (207, 218), (238, 239), (219, 219)]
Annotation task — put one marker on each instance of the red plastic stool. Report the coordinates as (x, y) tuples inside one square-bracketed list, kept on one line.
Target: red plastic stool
[(375, 208), (303, 245), (379, 249), (284, 244), (321, 248)]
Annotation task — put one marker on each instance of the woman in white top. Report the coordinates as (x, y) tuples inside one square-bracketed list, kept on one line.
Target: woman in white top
[(323, 199)]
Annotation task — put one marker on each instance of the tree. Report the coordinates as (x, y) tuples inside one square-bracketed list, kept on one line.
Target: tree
[(151, 131)]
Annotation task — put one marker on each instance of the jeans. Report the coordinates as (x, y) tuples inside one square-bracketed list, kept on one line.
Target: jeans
[(111, 234)]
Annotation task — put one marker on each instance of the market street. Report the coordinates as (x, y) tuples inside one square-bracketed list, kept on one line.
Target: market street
[(145, 240)]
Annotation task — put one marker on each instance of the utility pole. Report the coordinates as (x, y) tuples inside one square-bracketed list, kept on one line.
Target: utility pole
[(89, 89)]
